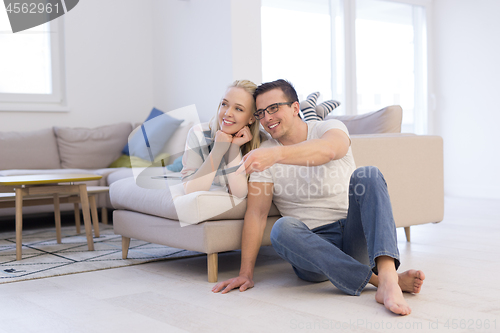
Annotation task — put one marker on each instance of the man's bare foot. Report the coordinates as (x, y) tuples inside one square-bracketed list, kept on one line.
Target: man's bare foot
[(390, 294), (411, 281)]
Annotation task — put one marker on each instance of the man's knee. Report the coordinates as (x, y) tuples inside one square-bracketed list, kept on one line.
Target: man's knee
[(366, 175), (284, 227)]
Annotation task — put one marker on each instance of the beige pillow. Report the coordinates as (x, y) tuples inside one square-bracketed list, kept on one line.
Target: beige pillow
[(29, 150), (94, 148), (386, 120)]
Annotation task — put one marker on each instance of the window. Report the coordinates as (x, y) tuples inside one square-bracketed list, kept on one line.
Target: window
[(376, 53), (296, 44), (387, 41), (31, 67)]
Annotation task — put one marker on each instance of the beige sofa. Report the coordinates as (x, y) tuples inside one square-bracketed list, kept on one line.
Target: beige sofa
[(63, 150), (146, 208)]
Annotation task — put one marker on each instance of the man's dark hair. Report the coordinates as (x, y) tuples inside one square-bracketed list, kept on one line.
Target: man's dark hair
[(285, 86)]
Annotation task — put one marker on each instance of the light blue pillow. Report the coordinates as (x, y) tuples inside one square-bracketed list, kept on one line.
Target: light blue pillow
[(150, 138), (154, 113), (176, 166)]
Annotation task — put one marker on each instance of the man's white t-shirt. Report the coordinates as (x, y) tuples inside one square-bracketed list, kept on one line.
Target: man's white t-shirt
[(316, 195)]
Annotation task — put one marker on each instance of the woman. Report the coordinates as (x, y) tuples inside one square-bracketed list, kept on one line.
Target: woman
[(231, 133)]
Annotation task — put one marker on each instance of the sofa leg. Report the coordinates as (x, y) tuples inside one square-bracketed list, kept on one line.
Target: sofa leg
[(212, 267), (407, 233), (125, 245)]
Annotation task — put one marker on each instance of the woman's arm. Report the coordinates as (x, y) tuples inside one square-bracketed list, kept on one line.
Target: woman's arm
[(238, 184), (203, 178)]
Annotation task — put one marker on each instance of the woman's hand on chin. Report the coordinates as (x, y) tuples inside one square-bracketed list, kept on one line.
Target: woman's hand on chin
[(242, 136), (222, 141), (221, 136)]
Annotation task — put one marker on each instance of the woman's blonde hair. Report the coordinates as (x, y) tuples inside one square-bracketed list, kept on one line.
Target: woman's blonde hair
[(249, 87)]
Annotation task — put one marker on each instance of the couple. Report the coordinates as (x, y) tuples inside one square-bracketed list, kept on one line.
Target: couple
[(343, 231)]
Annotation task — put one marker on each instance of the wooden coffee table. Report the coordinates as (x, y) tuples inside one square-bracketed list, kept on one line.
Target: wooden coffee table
[(34, 186)]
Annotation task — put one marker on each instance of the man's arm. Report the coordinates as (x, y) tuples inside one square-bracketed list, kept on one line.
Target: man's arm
[(259, 200), (332, 145)]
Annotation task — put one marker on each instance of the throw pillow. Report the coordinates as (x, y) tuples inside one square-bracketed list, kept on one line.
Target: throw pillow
[(147, 141), (308, 107), (91, 148), (313, 112), (126, 161), (386, 120), (154, 113), (326, 107), (121, 162), (176, 166), (29, 150)]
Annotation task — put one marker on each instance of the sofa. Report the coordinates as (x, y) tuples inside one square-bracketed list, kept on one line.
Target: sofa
[(153, 209), (63, 150)]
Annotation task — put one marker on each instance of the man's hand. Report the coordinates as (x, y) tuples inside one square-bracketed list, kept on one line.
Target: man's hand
[(259, 159), (242, 282), (242, 136)]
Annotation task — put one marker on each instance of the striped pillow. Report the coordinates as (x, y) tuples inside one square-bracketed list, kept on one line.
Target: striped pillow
[(313, 112)]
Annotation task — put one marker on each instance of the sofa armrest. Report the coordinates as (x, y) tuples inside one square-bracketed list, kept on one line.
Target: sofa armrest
[(412, 166)]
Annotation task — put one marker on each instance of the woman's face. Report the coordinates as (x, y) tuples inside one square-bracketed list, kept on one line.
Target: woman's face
[(236, 110)]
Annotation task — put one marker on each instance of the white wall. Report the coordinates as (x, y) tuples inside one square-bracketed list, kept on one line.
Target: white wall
[(123, 58), (246, 40), (200, 47), (467, 84), (108, 67), (192, 54)]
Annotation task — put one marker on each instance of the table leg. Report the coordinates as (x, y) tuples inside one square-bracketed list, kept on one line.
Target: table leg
[(93, 210), (77, 217), (104, 215), (19, 223), (57, 215), (84, 199)]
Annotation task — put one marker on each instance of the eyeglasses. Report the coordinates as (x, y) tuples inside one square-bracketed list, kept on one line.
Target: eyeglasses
[(273, 108)]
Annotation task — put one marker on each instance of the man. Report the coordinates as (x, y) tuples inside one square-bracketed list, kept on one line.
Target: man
[(337, 221)]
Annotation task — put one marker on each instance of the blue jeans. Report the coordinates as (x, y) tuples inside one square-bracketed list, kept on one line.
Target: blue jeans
[(343, 252)]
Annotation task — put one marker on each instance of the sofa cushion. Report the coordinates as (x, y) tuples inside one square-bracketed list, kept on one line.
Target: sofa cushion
[(154, 113), (33, 150), (147, 141), (189, 209), (119, 174), (386, 120), (126, 161), (176, 165), (91, 148)]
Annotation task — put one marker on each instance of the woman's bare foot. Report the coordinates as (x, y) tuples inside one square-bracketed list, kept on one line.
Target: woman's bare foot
[(411, 281)]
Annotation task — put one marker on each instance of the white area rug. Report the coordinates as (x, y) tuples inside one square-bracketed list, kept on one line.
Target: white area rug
[(43, 257)]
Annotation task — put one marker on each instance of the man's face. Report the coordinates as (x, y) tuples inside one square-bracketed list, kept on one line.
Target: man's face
[(279, 123)]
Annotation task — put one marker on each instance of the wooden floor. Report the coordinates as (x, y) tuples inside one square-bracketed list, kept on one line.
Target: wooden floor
[(460, 257)]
